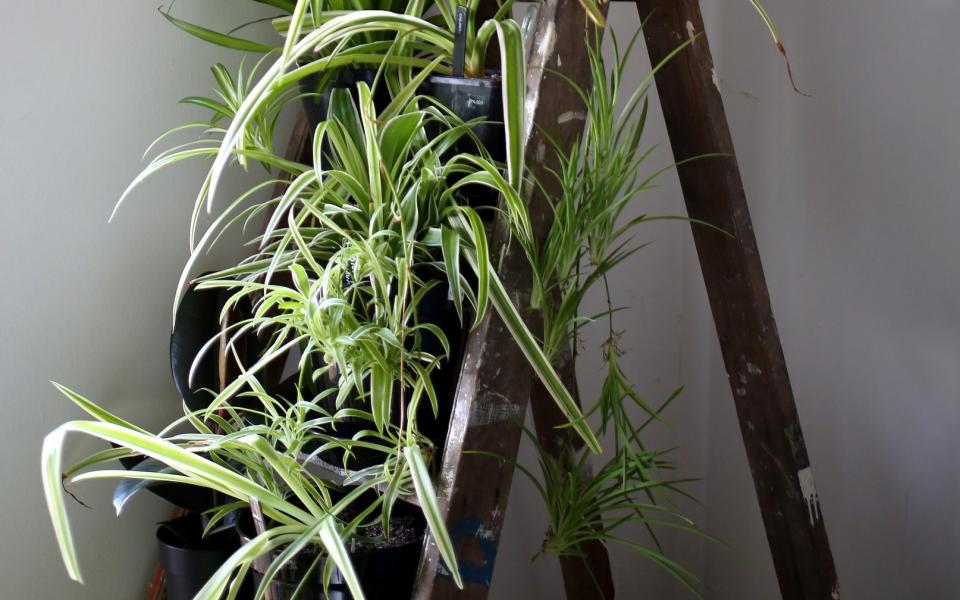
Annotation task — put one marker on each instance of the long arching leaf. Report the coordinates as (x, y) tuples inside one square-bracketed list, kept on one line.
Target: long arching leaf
[(215, 37), (431, 510)]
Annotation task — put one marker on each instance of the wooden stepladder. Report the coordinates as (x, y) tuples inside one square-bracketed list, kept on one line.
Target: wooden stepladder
[(496, 384)]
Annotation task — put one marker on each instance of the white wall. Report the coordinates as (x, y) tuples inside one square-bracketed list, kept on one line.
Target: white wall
[(854, 206), (86, 86)]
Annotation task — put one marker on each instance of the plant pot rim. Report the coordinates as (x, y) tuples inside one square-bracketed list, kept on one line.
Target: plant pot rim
[(414, 536), (467, 81)]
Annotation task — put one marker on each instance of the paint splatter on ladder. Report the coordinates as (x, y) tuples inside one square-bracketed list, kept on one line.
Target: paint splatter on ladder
[(809, 491)]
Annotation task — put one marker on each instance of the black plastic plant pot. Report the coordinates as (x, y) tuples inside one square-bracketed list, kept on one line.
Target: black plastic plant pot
[(188, 558), (386, 570), (197, 321), (316, 88), (183, 495), (472, 98), (438, 309)]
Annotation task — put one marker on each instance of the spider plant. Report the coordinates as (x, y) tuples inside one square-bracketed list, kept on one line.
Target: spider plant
[(446, 9), (288, 8), (369, 228), (628, 488), (373, 47), (366, 235), (248, 105), (419, 43), (588, 239), (350, 250), (321, 38), (362, 235), (260, 101), (265, 464), (261, 466)]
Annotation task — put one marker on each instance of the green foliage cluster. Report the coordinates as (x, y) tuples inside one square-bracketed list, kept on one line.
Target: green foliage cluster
[(337, 276)]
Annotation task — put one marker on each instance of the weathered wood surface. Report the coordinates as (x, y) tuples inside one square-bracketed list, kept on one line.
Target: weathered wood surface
[(713, 192), (495, 380)]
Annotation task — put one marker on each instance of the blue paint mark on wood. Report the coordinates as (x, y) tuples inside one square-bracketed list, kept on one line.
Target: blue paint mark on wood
[(470, 533)]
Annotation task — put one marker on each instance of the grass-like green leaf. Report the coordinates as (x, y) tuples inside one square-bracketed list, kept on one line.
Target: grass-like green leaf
[(431, 510), (381, 395), (514, 90), (215, 37), (331, 540), (450, 246), (472, 226), (538, 360)]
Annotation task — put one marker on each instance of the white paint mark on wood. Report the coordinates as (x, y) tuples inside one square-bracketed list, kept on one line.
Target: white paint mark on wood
[(548, 41), (753, 369), (835, 594), (541, 57), (691, 32), (716, 80), (809, 491), (571, 115), (486, 533)]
